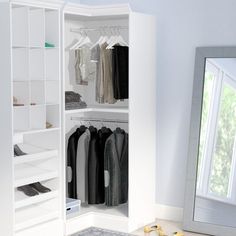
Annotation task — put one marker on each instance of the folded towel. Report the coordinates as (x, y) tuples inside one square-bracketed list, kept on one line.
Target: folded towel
[(72, 97), (75, 105)]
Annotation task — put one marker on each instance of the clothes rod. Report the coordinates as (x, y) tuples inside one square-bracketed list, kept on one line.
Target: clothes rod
[(100, 120), (79, 30)]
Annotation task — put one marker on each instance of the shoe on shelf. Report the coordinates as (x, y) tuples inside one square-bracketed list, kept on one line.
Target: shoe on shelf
[(27, 190), (18, 151), (48, 125), (40, 188), (15, 102)]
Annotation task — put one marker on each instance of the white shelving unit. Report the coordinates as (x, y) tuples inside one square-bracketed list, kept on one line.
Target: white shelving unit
[(139, 110), (32, 74), (35, 98)]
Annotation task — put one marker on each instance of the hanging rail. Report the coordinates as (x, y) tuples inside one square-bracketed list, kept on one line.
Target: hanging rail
[(100, 120), (79, 30)]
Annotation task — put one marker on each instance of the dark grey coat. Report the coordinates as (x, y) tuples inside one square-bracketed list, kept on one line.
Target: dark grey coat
[(116, 168)]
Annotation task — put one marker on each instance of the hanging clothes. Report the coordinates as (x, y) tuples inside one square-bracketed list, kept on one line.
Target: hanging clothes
[(95, 58), (71, 161), (95, 169), (103, 134), (116, 168), (82, 166), (120, 72), (98, 160), (85, 70), (106, 85)]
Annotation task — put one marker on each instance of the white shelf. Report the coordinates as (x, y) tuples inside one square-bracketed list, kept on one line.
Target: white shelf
[(121, 210), (27, 174), (35, 131), (34, 154), (124, 110), (21, 200), (30, 216), (33, 47)]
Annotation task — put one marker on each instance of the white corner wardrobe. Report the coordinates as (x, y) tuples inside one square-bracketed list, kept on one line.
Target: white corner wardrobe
[(37, 68)]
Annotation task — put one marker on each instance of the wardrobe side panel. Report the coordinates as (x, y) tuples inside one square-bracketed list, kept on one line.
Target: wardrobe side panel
[(6, 152), (142, 126)]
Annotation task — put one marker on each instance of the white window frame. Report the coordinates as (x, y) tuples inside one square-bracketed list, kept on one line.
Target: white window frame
[(221, 77)]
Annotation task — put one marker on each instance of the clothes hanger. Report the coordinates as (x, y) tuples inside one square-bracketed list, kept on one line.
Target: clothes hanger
[(105, 38), (78, 42), (86, 41), (118, 40), (102, 38), (113, 40)]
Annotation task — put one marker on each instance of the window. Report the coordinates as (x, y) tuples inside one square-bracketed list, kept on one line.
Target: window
[(216, 162)]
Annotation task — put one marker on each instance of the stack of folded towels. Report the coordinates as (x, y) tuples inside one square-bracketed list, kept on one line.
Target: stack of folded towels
[(74, 101)]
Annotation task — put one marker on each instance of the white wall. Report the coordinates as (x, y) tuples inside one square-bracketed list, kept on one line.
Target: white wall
[(182, 25)]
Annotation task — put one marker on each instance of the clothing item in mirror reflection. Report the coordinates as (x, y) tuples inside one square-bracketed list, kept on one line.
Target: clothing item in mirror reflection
[(215, 200)]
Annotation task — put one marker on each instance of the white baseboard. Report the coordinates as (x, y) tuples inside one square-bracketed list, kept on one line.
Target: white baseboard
[(165, 212)]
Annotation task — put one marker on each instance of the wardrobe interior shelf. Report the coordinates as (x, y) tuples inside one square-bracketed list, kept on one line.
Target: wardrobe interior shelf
[(21, 200), (124, 110), (34, 154), (35, 131), (27, 174), (121, 210), (33, 47), (29, 216)]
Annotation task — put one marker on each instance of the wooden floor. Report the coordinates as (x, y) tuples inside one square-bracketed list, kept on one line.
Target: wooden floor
[(168, 226)]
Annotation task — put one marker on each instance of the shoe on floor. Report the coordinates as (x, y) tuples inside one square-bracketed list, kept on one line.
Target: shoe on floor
[(40, 188), (27, 190)]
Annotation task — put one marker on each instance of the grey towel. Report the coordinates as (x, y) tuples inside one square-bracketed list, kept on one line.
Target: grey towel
[(71, 96), (75, 105)]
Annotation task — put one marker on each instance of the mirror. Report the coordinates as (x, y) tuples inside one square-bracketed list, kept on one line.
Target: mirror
[(211, 200), (215, 200)]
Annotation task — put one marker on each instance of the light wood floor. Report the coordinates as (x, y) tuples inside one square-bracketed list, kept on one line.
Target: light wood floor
[(168, 226)]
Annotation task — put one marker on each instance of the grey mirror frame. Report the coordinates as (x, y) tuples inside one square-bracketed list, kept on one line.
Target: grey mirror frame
[(188, 221)]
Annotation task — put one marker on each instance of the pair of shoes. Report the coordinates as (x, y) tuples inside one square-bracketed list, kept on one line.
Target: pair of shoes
[(33, 189), (157, 228), (15, 102), (18, 151)]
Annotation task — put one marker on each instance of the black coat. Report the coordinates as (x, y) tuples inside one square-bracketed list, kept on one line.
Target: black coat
[(71, 160), (95, 168)]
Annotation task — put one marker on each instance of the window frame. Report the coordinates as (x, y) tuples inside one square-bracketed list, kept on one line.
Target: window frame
[(221, 77)]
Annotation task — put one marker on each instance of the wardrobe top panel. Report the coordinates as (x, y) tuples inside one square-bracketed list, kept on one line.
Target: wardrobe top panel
[(75, 17)]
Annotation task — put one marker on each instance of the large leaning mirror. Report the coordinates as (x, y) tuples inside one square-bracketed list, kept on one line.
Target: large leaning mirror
[(210, 204)]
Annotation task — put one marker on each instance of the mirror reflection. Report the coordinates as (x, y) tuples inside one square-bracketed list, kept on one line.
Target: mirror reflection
[(215, 200)]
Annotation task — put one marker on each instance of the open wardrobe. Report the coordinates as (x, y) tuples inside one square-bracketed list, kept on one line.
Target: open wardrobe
[(78, 127)]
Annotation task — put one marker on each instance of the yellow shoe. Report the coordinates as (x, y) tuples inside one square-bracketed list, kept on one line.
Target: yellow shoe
[(178, 234), (161, 233), (149, 229)]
